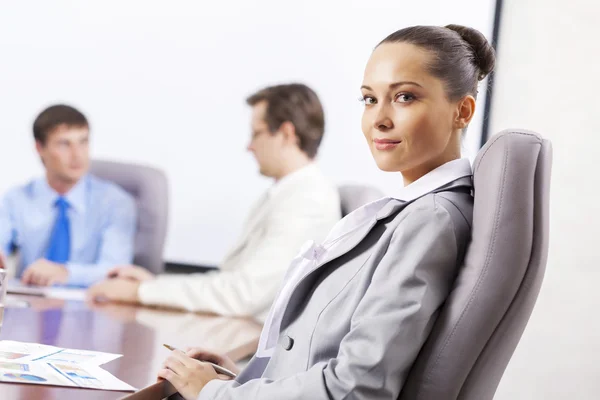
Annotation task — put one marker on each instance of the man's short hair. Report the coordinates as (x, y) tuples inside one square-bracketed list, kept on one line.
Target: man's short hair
[(55, 116), (298, 104)]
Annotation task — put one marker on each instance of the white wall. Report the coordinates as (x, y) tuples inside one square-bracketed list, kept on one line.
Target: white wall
[(164, 83), (549, 80)]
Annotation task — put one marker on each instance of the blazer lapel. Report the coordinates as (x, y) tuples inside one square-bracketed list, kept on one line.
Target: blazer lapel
[(392, 207), (304, 285)]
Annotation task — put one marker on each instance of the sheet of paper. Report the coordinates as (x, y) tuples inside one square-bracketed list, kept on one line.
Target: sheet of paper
[(63, 293), (83, 376), (92, 377), (24, 352), (80, 357), (49, 365), (16, 287), (34, 373), (56, 292)]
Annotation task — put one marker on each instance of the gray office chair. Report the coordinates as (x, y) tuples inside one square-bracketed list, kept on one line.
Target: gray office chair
[(355, 196), (149, 188), (484, 317)]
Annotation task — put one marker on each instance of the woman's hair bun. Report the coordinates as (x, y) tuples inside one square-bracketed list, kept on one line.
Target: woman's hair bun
[(483, 52)]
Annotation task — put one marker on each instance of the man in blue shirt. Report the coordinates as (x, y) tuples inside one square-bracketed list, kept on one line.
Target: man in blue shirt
[(69, 227)]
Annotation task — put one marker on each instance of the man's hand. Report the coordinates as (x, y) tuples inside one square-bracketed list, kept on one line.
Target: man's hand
[(2, 261), (45, 273), (187, 375), (132, 272), (117, 290)]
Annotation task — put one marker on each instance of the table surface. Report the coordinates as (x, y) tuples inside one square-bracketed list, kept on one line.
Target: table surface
[(137, 333)]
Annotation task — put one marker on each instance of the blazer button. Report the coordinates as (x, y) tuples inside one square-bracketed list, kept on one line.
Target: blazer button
[(287, 343)]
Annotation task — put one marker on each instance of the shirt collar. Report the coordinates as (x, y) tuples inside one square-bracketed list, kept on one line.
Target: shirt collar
[(289, 179), (76, 197), (441, 176)]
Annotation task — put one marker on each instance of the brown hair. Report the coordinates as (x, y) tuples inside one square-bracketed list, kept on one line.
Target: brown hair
[(298, 104), (54, 116), (462, 56)]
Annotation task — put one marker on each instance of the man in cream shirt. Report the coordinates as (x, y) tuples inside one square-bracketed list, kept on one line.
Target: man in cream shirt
[(287, 128)]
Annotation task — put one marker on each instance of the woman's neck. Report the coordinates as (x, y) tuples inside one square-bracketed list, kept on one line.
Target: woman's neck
[(411, 175)]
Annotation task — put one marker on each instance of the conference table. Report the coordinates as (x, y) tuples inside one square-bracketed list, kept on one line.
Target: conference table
[(136, 332)]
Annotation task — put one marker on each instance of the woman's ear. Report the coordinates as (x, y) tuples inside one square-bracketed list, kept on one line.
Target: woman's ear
[(466, 110)]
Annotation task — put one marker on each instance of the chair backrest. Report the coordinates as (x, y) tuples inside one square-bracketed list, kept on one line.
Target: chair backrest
[(482, 321), (355, 196), (149, 188)]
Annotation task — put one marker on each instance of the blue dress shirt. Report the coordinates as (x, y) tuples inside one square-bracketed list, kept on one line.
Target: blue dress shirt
[(102, 221)]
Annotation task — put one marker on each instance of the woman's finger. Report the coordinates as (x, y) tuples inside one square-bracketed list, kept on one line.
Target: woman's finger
[(224, 377), (203, 355), (183, 358), (195, 352), (172, 377), (176, 366)]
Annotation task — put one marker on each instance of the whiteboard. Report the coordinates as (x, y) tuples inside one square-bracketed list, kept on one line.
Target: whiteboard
[(164, 83)]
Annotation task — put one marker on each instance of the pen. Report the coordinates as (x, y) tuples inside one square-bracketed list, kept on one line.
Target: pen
[(218, 368)]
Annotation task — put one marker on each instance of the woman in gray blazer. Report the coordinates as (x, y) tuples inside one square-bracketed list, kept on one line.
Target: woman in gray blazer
[(355, 310)]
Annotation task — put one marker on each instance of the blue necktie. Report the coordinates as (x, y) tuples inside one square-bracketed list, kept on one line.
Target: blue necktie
[(59, 247)]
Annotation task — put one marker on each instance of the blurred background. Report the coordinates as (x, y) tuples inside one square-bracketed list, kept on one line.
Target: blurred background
[(164, 84)]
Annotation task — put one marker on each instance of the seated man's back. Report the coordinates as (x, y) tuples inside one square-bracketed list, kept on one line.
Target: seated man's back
[(69, 227)]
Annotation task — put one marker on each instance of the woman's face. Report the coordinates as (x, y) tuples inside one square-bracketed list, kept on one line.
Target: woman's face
[(408, 121)]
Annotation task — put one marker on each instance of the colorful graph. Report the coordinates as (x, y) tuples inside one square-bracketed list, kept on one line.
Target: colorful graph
[(11, 356), (15, 366), (25, 378), (80, 376), (66, 357)]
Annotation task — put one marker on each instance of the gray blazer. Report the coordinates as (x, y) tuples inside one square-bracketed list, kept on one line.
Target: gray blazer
[(354, 326)]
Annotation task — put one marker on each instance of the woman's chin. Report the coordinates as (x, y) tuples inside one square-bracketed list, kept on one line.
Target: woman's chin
[(387, 166)]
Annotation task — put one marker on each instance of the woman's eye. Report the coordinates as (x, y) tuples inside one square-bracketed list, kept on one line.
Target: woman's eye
[(368, 100), (404, 97)]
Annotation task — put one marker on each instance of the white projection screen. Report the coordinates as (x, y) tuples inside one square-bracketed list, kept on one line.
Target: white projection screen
[(164, 84)]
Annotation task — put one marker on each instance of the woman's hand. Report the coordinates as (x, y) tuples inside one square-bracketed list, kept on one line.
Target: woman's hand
[(205, 355), (187, 375)]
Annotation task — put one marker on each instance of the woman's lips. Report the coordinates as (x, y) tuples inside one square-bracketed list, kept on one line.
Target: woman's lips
[(386, 144)]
